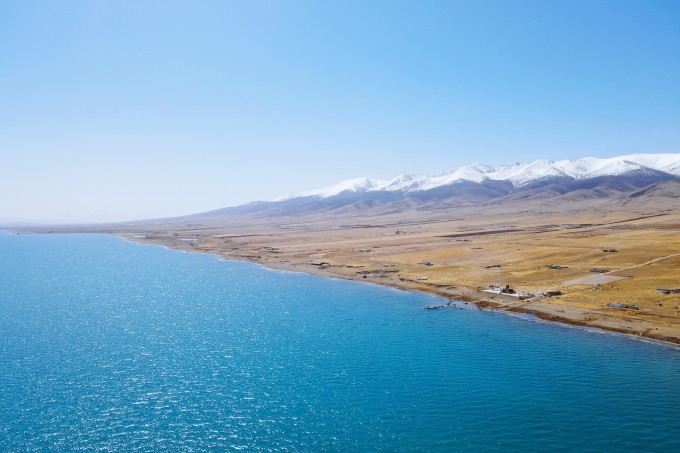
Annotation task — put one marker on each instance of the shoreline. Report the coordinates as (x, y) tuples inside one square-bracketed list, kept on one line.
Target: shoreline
[(477, 298), (628, 323)]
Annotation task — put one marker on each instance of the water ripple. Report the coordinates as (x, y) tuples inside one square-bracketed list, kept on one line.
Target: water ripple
[(110, 346)]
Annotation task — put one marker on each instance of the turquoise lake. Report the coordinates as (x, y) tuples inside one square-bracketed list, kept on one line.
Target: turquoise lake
[(108, 345)]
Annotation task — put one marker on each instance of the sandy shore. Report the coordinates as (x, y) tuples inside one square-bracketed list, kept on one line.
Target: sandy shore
[(582, 304), (458, 254)]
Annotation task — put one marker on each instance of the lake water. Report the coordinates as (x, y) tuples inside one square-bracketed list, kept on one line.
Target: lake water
[(107, 345)]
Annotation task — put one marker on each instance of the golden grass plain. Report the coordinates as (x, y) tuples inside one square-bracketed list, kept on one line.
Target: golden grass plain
[(390, 249)]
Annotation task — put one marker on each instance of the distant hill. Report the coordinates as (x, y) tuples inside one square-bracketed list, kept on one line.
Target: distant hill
[(619, 178)]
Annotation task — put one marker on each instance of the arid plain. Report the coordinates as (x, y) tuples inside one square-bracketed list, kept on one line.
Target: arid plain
[(596, 252)]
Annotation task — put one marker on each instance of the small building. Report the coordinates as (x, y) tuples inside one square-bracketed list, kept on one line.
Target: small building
[(624, 306), (507, 290)]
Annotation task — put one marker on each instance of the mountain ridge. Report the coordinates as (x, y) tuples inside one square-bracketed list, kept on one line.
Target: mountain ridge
[(519, 174), (542, 181)]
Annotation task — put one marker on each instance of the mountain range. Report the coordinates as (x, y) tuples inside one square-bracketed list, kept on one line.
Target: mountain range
[(478, 184)]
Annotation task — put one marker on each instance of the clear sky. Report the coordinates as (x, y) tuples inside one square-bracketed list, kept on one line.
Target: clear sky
[(116, 110)]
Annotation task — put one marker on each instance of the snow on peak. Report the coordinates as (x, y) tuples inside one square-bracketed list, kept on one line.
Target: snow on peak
[(473, 173), (405, 183), (669, 163), (351, 185), (519, 174)]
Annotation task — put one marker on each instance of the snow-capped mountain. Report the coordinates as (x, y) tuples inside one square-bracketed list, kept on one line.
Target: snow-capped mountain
[(636, 175), (519, 174), (351, 185)]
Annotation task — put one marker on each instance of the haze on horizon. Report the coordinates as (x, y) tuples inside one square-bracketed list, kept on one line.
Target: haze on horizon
[(128, 110)]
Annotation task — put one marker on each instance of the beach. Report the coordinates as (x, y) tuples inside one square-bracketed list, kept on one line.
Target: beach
[(585, 257), (585, 264)]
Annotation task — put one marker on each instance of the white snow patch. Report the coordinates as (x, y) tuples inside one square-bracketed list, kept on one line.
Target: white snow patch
[(351, 185), (518, 174)]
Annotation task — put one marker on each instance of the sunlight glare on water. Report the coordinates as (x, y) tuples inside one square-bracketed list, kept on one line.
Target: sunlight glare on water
[(110, 345)]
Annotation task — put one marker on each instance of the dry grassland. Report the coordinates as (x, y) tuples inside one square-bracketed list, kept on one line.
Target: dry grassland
[(392, 249)]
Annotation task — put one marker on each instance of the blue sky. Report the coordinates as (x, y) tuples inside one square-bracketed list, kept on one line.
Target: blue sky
[(115, 110)]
